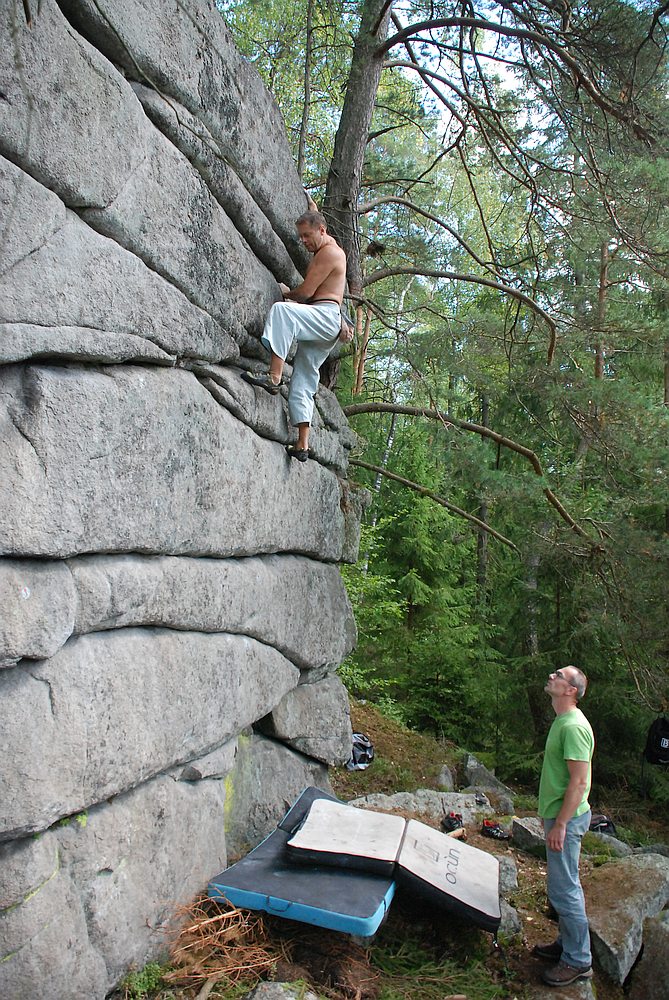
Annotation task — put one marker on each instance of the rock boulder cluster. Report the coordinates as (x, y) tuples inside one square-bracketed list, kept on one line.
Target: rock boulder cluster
[(172, 612)]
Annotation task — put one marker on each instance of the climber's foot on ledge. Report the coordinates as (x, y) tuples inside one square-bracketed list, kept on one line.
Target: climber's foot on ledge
[(301, 454), (264, 381)]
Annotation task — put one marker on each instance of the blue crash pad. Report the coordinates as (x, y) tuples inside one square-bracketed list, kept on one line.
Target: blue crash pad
[(354, 902)]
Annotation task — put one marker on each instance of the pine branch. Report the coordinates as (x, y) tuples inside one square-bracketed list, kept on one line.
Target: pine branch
[(481, 525), (388, 272), (486, 432)]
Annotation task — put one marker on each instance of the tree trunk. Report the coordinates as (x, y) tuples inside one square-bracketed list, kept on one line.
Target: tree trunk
[(666, 403), (362, 357), (537, 702), (304, 125), (482, 536), (376, 488), (601, 308), (343, 184)]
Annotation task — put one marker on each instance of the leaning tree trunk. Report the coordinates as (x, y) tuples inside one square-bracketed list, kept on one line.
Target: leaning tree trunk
[(343, 184)]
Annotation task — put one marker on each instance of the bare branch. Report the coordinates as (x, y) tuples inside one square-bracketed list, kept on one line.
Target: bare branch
[(543, 42), (481, 525), (388, 272), (486, 432), (391, 200)]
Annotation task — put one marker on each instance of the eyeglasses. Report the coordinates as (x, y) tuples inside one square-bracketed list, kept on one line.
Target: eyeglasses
[(558, 673)]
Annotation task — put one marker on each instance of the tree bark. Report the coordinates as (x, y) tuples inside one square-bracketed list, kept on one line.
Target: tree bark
[(362, 357), (343, 184), (482, 537), (536, 700), (601, 308), (376, 488), (304, 125)]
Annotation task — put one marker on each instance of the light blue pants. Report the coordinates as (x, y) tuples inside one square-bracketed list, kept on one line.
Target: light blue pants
[(316, 328), (566, 895)]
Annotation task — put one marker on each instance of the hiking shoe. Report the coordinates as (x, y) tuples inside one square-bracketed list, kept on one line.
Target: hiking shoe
[(263, 381), (301, 454), (453, 821), (552, 951), (494, 830), (563, 974)]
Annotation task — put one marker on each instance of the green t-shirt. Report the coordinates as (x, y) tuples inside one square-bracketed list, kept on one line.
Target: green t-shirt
[(569, 738)]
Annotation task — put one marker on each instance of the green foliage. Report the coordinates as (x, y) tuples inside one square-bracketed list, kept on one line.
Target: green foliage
[(142, 982), (598, 852), (456, 637)]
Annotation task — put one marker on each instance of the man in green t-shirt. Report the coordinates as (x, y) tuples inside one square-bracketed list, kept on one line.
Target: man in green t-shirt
[(565, 810)]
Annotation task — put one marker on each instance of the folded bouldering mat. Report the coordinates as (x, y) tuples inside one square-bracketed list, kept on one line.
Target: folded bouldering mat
[(340, 899), (448, 872)]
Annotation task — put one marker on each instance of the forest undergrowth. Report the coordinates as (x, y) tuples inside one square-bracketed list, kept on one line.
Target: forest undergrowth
[(223, 952)]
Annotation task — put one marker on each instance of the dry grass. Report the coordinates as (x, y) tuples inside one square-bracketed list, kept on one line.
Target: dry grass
[(220, 943), (220, 947)]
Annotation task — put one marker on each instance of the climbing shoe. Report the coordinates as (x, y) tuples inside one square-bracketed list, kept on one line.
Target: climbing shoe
[(551, 951), (263, 381), (451, 821), (491, 829), (301, 454), (563, 974)]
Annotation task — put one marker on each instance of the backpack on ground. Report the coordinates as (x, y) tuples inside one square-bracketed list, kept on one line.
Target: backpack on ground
[(362, 753), (657, 742), (600, 823)]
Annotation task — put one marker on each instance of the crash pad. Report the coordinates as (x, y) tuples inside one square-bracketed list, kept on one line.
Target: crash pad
[(267, 879), (449, 873)]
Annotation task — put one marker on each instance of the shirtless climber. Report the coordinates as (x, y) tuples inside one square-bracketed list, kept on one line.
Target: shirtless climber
[(310, 313)]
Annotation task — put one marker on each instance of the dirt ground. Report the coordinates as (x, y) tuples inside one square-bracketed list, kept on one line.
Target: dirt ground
[(344, 969)]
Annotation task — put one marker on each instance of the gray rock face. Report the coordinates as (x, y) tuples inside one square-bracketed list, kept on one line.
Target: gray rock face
[(120, 174), (48, 932), (38, 602), (280, 991), (136, 859), (69, 119), (445, 779), (195, 141), (314, 719), (235, 288), (96, 300), (619, 846), (167, 574), (653, 849), (619, 897), (428, 803), (107, 884), (185, 51), (650, 977), (46, 602), (216, 764), (267, 779), (199, 493), (119, 708), (268, 415), (508, 874), (511, 924), (478, 775), (528, 835)]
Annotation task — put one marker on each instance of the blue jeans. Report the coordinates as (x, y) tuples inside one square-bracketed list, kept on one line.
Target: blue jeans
[(566, 895)]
